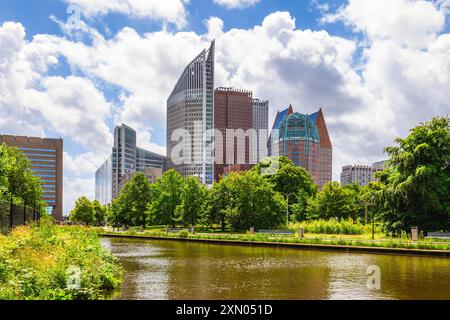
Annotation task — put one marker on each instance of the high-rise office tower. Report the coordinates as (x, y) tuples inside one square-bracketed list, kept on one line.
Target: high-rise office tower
[(46, 157), (260, 124), (304, 139), (103, 182), (233, 116), (190, 119), (123, 156), (126, 159)]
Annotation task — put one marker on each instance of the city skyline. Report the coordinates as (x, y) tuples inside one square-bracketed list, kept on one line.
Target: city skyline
[(76, 79)]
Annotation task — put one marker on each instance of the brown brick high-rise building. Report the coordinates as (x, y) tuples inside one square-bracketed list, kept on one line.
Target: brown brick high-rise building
[(46, 157), (233, 109)]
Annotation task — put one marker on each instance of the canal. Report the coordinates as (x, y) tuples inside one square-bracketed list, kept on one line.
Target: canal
[(161, 269)]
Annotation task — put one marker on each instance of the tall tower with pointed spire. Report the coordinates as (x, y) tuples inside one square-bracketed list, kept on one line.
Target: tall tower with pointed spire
[(190, 110)]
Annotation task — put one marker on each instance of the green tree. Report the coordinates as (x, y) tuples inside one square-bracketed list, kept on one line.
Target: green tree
[(289, 179), (370, 197), (253, 202), (17, 183), (418, 179), (194, 201), (83, 212), (219, 200), (5, 167), (299, 208), (334, 201), (100, 212), (137, 195), (166, 197), (118, 214), (32, 193), (293, 182)]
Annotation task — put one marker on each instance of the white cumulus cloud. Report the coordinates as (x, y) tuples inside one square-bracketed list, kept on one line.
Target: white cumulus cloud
[(236, 4), (168, 11)]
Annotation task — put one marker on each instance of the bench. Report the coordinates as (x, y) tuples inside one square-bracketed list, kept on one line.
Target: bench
[(438, 235), (276, 232)]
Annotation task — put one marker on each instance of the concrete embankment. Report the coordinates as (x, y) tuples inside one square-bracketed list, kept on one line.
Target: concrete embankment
[(306, 246)]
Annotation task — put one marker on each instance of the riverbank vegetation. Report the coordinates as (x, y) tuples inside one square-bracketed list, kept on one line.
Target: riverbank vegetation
[(48, 262), (412, 191), (333, 226)]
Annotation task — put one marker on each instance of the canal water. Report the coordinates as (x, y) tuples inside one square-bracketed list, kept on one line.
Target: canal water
[(184, 270)]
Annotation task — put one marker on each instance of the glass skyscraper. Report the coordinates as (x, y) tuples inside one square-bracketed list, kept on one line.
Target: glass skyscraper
[(126, 158), (190, 111), (305, 140), (103, 182)]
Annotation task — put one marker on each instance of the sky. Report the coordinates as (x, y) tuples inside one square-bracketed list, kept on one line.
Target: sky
[(77, 68)]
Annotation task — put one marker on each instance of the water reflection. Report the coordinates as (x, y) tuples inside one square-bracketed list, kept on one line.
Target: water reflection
[(181, 270)]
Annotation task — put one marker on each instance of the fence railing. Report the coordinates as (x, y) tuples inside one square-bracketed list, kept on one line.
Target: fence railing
[(19, 215)]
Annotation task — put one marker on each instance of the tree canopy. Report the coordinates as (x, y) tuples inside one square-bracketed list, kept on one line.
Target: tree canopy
[(17, 182), (83, 212), (194, 202), (90, 213), (418, 179), (248, 200), (334, 201), (167, 192)]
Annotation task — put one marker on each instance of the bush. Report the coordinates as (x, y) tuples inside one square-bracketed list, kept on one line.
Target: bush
[(332, 226), (183, 234), (35, 260)]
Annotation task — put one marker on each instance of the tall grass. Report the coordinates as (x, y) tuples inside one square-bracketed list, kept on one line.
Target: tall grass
[(35, 262), (332, 226)]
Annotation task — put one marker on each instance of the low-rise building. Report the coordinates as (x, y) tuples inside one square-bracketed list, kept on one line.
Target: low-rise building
[(152, 175), (359, 174)]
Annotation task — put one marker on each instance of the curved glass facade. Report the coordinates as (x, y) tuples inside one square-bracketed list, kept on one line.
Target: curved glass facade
[(304, 139), (299, 140), (190, 108)]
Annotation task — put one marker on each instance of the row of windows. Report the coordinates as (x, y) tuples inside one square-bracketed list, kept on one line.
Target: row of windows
[(41, 160), (48, 180), (34, 149), (50, 165), (43, 170), (40, 155), (45, 175)]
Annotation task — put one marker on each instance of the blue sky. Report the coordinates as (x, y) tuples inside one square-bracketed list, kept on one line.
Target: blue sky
[(377, 68), (34, 15)]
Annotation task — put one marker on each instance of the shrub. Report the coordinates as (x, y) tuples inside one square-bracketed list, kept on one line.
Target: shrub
[(183, 234)]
